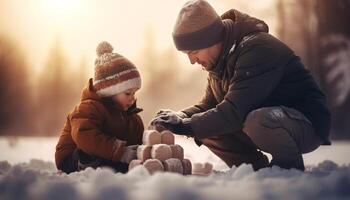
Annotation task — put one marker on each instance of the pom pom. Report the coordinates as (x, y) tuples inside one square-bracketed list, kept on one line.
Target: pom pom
[(104, 47)]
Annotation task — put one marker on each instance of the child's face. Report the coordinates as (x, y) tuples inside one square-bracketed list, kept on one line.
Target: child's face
[(125, 99)]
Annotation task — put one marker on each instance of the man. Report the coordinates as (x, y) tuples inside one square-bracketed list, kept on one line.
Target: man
[(259, 94)]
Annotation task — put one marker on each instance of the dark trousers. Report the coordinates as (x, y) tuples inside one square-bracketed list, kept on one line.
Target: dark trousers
[(283, 132), (79, 160)]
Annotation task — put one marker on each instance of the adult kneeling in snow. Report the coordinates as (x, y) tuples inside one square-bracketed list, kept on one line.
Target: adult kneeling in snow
[(259, 94)]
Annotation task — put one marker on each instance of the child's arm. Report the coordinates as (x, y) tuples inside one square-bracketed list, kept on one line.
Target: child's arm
[(136, 128), (86, 122)]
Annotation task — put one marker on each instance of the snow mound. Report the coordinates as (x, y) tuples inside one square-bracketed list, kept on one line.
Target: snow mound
[(40, 180)]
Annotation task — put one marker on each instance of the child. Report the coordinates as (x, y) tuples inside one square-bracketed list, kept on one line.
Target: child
[(104, 129)]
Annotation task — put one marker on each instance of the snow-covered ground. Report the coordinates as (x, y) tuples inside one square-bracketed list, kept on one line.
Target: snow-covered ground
[(27, 171)]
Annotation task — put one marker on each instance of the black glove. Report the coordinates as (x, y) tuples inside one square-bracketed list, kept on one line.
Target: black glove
[(163, 112), (85, 160), (174, 123)]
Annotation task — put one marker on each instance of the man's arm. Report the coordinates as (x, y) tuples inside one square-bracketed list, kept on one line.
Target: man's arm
[(207, 102), (259, 69)]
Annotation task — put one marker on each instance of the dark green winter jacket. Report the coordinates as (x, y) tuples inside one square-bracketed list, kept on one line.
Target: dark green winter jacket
[(255, 70)]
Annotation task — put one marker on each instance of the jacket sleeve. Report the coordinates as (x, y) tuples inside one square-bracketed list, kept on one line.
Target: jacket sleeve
[(258, 72), (136, 129), (207, 102), (86, 123)]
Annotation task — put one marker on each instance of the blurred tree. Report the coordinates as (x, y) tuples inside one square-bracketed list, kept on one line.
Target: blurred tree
[(334, 44), (80, 78), (297, 28), (55, 88), (159, 76), (166, 83), (15, 96), (319, 32)]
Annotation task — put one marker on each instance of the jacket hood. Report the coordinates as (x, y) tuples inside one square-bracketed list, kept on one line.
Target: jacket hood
[(237, 25), (244, 24), (89, 93)]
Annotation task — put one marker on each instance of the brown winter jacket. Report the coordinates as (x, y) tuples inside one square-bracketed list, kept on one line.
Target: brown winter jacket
[(99, 128)]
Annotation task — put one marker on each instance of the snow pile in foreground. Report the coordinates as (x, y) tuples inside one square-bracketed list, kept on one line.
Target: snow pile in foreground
[(40, 180)]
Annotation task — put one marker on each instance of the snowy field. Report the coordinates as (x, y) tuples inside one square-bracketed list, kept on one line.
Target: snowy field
[(27, 171)]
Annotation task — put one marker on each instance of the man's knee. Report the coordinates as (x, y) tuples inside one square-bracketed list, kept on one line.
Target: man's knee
[(265, 129), (261, 120)]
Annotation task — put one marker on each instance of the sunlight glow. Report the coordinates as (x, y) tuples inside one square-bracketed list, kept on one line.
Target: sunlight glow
[(60, 7)]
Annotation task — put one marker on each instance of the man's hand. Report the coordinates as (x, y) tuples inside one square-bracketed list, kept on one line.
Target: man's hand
[(174, 123), (129, 153), (164, 112)]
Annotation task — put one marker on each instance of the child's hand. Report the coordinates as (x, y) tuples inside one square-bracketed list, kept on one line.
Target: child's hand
[(129, 153)]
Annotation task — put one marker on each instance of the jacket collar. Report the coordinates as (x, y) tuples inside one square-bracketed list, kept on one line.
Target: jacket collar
[(227, 48), (237, 25)]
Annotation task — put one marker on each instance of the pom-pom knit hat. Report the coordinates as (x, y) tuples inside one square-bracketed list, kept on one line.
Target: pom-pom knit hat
[(113, 72)]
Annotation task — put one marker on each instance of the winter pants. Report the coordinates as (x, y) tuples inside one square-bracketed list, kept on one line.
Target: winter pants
[(79, 160), (283, 132)]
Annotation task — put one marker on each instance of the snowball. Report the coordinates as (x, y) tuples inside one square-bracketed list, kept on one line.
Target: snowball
[(173, 165), (144, 152), (167, 137), (208, 168), (153, 165), (151, 137), (187, 166), (202, 169), (197, 168), (161, 152), (134, 163), (177, 151), (157, 127)]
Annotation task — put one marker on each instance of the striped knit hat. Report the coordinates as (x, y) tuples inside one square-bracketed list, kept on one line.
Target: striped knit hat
[(113, 72), (198, 26)]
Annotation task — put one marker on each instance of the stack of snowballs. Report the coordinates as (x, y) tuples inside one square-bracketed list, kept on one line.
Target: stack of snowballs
[(160, 153)]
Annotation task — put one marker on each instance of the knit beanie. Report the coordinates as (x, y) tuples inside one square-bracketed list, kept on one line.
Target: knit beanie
[(198, 26), (113, 72)]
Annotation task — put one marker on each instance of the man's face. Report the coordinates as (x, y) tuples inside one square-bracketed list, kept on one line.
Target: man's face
[(206, 57)]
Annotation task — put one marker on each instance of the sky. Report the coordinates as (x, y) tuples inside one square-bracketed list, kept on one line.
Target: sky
[(79, 25)]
